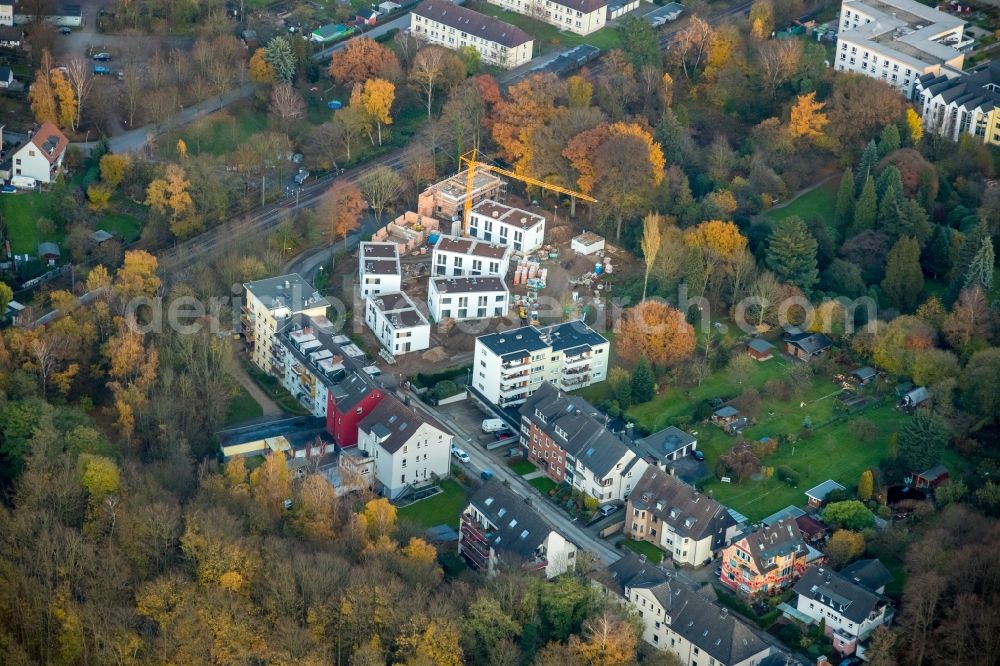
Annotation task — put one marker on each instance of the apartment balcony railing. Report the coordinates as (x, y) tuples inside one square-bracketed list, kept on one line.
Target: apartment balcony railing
[(516, 363), (576, 360), (574, 380), (514, 399), (516, 373), (576, 370), (517, 389)]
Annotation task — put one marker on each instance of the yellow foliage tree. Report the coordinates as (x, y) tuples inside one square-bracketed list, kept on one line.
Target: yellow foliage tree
[(316, 507), (113, 168), (272, 484), (99, 194), (667, 90), (761, 19), (651, 227), (579, 92), (169, 195), (866, 485), (657, 331), (66, 97), (379, 517), (377, 97), (182, 149), (261, 70), (420, 551), (99, 475), (721, 239), (844, 546), (914, 125), (807, 118), (232, 581), (41, 96), (608, 641), (437, 642), (236, 473)]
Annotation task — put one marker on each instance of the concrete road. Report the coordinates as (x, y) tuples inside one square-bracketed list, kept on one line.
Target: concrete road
[(398, 24)]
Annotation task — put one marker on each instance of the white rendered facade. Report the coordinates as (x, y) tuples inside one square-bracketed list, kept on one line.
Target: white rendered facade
[(494, 222), (460, 257), (397, 323), (897, 41), (454, 27), (581, 17), (467, 298), (268, 304), (378, 269)]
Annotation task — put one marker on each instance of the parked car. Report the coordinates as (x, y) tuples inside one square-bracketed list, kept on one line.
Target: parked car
[(101, 70), (503, 434), (493, 425), (609, 509), (486, 475), (23, 182), (462, 455), (297, 158), (8, 189), (698, 455), (301, 177), (102, 57), (65, 31)]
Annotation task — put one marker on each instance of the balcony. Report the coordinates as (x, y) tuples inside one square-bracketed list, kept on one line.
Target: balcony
[(574, 361), (475, 544), (516, 373), (578, 370), (517, 363), (506, 392), (513, 400), (574, 381)]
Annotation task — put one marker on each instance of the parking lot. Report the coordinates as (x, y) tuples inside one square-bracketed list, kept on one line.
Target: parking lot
[(469, 418)]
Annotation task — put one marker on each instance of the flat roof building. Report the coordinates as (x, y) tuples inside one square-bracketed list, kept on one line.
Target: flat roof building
[(378, 269)]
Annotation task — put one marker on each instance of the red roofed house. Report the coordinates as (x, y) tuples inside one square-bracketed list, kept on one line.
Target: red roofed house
[(42, 156), (348, 402)]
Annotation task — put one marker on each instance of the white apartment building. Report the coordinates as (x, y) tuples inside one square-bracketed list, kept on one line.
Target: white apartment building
[(898, 41), (397, 323), (454, 27), (849, 611), (42, 156), (7, 13), (268, 306), (494, 222), (410, 450), (511, 365), (577, 16), (378, 269), (460, 257), (467, 298), (497, 530), (961, 105)]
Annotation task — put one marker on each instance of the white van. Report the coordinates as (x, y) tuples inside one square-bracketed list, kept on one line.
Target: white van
[(493, 425), (23, 182)]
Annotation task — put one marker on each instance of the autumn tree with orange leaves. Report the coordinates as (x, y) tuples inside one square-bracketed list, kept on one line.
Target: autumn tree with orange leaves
[(363, 59), (341, 208), (529, 105), (807, 118), (657, 331), (629, 164)]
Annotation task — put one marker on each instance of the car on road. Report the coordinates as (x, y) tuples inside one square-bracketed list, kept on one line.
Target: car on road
[(609, 509), (101, 70), (698, 455), (486, 475), (718, 572), (102, 57), (301, 177), (65, 31), (462, 455)]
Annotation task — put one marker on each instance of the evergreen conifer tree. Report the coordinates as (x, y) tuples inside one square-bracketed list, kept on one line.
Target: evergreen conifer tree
[(643, 386), (791, 253), (866, 167), (903, 278), (843, 214), (865, 210)]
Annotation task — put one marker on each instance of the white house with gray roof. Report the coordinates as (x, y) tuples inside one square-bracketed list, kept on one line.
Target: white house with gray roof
[(410, 450), (397, 323), (667, 445), (467, 298), (378, 269), (897, 41), (498, 529), (460, 257), (511, 365), (688, 622), (455, 27)]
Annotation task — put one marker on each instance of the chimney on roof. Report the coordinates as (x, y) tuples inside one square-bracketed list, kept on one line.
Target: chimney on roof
[(287, 284)]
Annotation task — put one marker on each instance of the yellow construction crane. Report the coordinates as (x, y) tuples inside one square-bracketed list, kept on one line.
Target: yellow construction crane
[(470, 160)]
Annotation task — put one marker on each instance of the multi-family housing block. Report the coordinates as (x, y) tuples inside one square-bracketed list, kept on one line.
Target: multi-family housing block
[(498, 530), (848, 610), (511, 365), (409, 450), (581, 17), (445, 200), (765, 561), (397, 323), (268, 305), (455, 27), (961, 105), (688, 525), (458, 257), (897, 41), (349, 401), (494, 222), (467, 298), (565, 436), (680, 619), (378, 269)]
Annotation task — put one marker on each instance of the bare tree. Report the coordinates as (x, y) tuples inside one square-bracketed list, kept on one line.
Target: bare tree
[(690, 45), (428, 72), (762, 293), (408, 45), (133, 90), (81, 77), (287, 103), (380, 187), (779, 60)]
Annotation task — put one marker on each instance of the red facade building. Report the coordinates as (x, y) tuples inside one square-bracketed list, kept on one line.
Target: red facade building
[(350, 401)]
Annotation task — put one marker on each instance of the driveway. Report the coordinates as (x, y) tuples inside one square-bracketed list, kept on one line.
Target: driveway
[(270, 407)]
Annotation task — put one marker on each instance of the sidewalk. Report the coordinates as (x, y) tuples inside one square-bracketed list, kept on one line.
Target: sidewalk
[(269, 407)]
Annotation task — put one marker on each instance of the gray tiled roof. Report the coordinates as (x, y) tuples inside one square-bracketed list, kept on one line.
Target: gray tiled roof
[(820, 491), (519, 529), (782, 538), (564, 337), (690, 513), (664, 442), (586, 438), (870, 574), (468, 285), (394, 423), (842, 595), (473, 23)]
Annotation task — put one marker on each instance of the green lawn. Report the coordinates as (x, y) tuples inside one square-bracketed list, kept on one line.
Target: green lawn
[(548, 36), (443, 508), (21, 213), (544, 484), (816, 203), (218, 133), (122, 224), (522, 467), (652, 552), (274, 390), (242, 407)]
